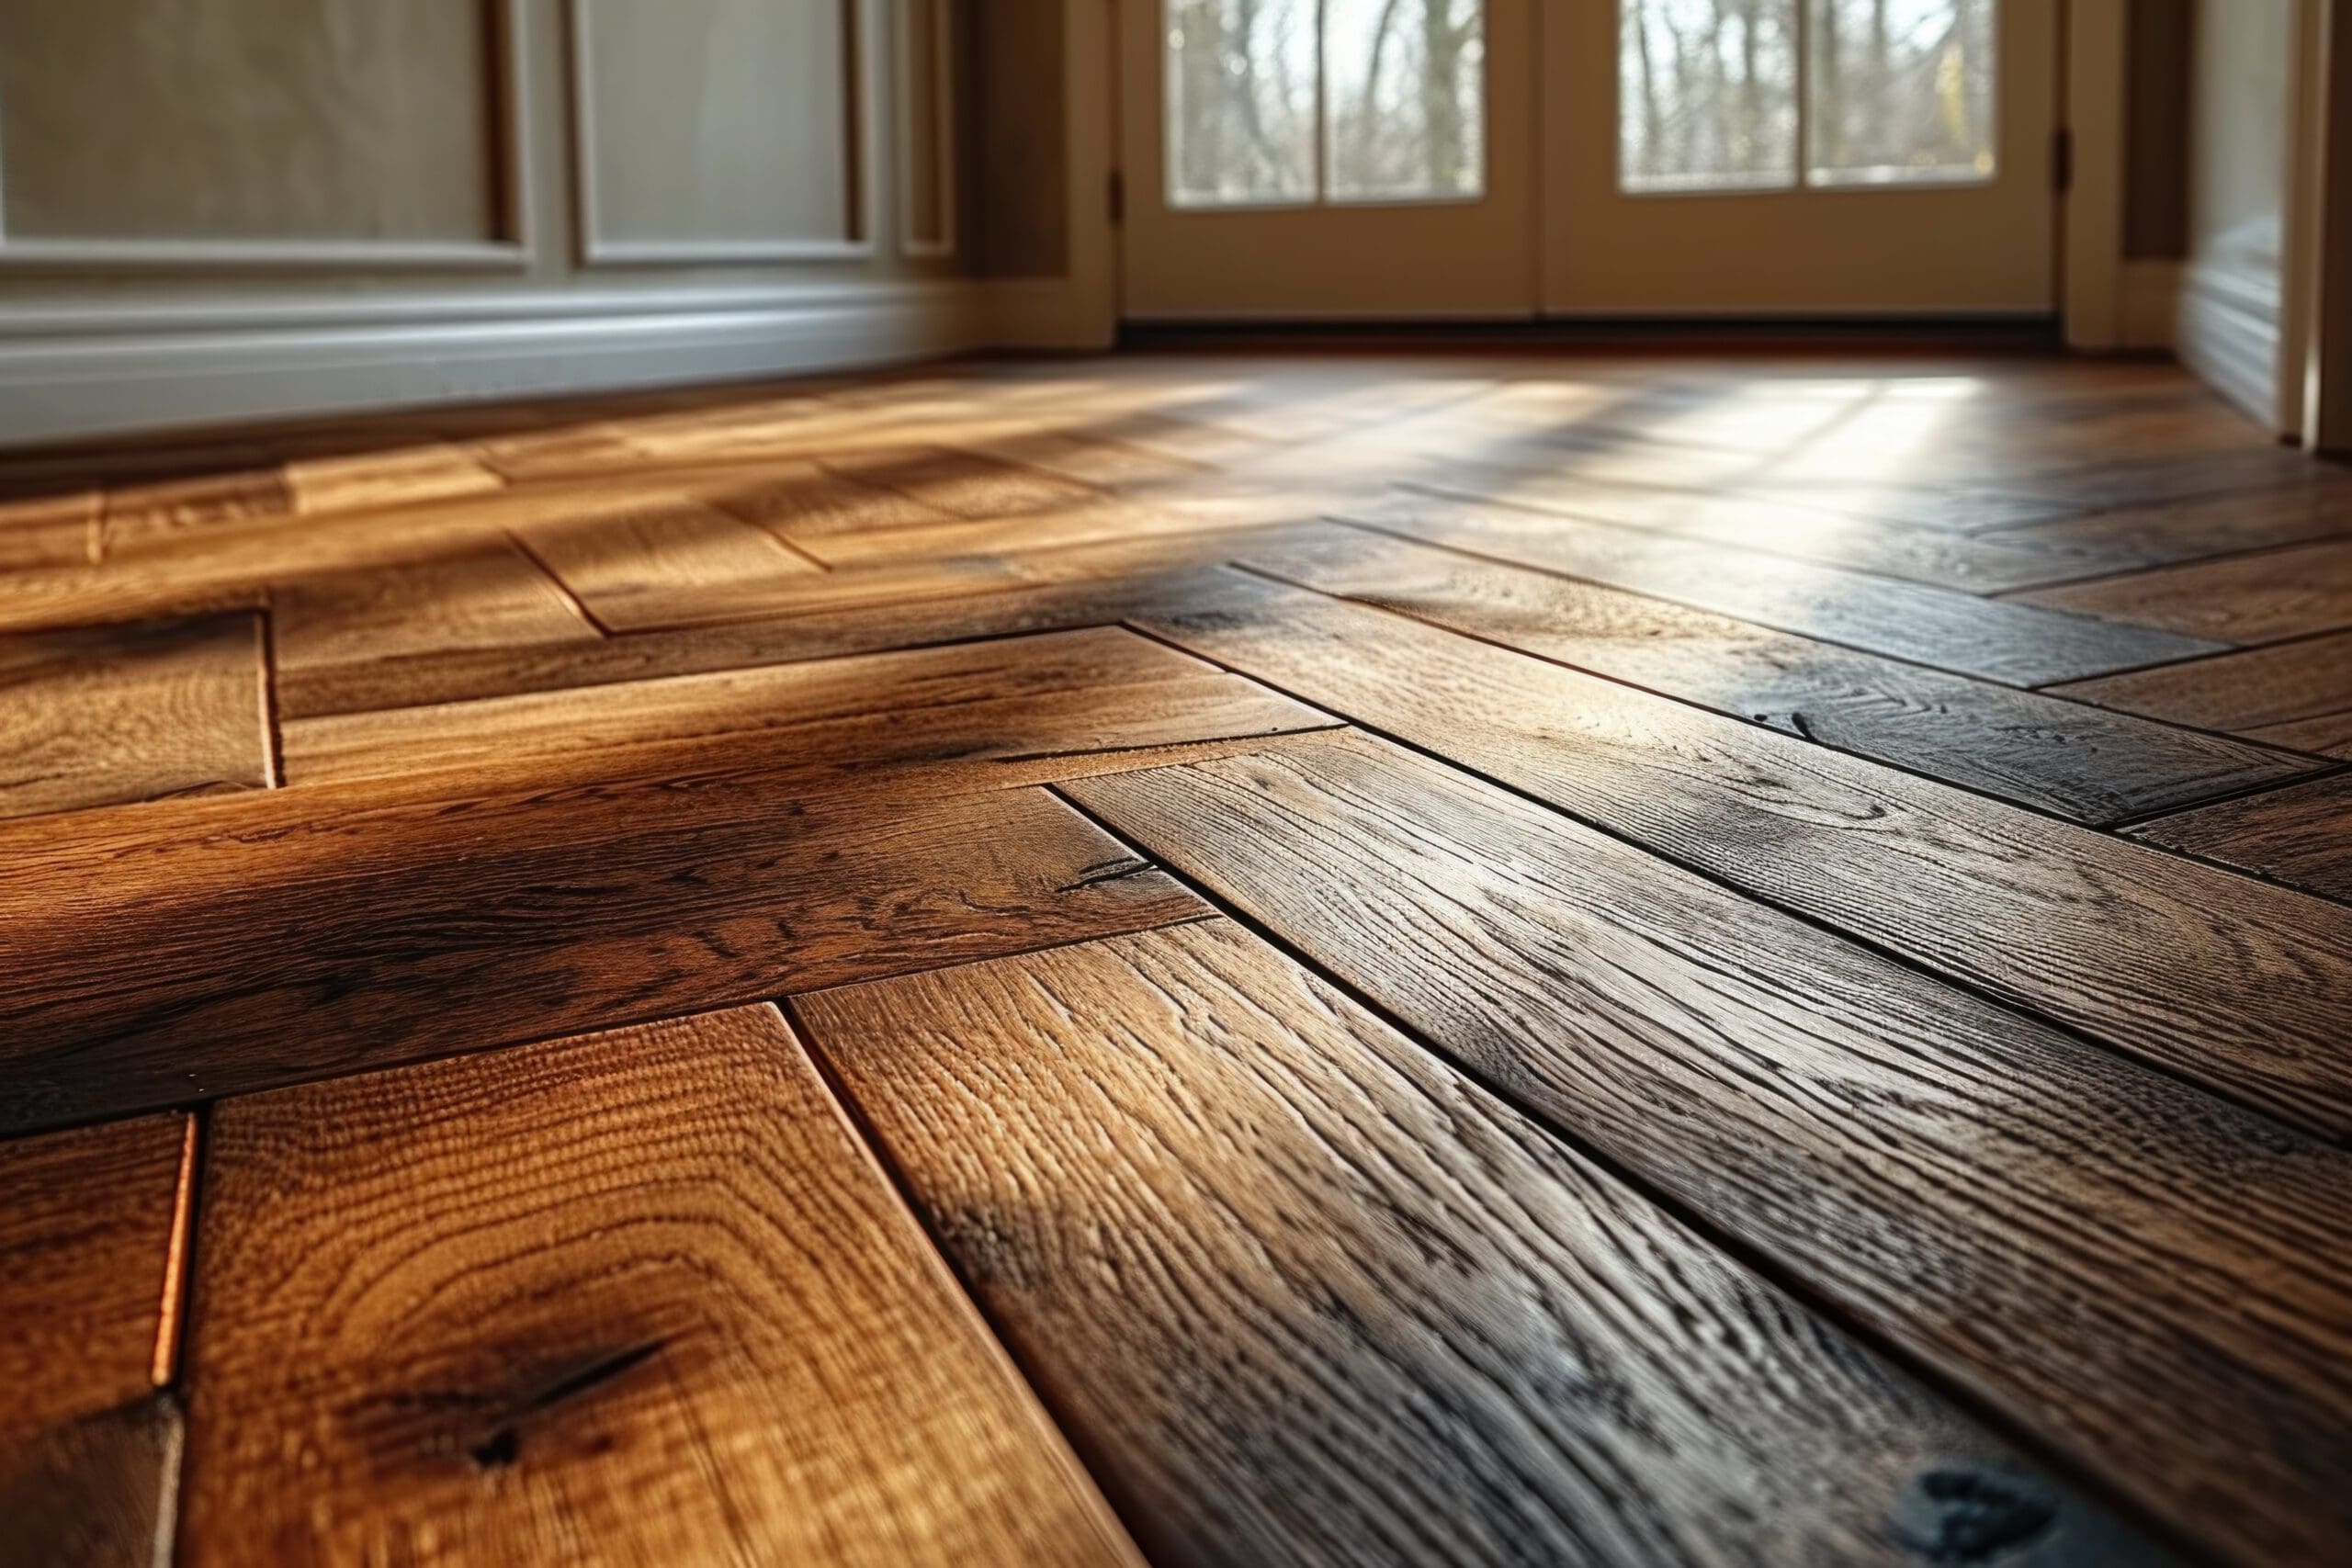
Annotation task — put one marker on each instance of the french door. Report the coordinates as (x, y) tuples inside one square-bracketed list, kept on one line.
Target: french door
[(1498, 158)]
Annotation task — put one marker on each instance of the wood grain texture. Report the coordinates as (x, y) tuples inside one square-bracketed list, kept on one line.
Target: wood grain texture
[(2240, 985), (113, 714), (252, 962), (2168, 532), (636, 569), (2080, 761), (2250, 599), (2126, 1268), (88, 1448), (2259, 688), (2328, 734), (480, 595), (1996, 640), (1095, 689), (1304, 1295), (2302, 834), (632, 1298), (1945, 558)]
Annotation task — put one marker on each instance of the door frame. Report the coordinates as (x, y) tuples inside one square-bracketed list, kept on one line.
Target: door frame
[(2089, 263)]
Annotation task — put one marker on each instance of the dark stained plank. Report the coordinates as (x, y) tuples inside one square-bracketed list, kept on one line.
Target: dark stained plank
[(2263, 597), (2080, 761), (261, 958), (2168, 531), (488, 594), (2241, 986), (89, 1240), (650, 567), (2125, 1268), (112, 713), (636, 1297), (1761, 522), (1093, 689), (1304, 1295), (2241, 692), (2302, 834), (2329, 734), (1998, 640)]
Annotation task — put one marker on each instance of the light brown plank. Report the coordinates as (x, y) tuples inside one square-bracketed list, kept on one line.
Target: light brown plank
[(1303, 1295), (660, 564), (114, 713), (252, 959), (485, 595), (630, 1298), (2143, 1278), (2242, 987), (1103, 687), (88, 1451)]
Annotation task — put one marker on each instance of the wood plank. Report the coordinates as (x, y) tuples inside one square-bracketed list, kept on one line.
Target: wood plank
[(2241, 986), (657, 565), (2242, 692), (2300, 835), (372, 480), (963, 484), (704, 1330), (2328, 734), (1304, 1295), (1998, 640), (1761, 522), (50, 530), (2250, 599), (88, 1451), (485, 595), (1103, 687), (803, 504), (139, 516), (2166, 532), (2126, 1268), (114, 714), (2080, 761), (247, 960)]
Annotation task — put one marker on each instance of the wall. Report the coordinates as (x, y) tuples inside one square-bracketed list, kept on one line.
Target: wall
[(213, 209), (2236, 312)]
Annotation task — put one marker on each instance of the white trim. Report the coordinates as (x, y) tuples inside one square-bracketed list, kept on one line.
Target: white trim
[(142, 372), (594, 249), (512, 250), (941, 88), (2228, 331)]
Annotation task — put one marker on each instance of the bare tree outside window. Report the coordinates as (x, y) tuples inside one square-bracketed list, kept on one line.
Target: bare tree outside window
[(1289, 101), (1895, 92)]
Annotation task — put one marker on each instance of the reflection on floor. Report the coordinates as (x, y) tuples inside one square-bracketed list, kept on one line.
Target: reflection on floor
[(1245, 960)]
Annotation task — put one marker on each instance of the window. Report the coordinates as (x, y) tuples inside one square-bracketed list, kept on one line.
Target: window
[(1275, 102), (1748, 95)]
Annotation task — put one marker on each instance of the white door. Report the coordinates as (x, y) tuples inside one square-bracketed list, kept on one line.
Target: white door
[(1760, 157), (1326, 158)]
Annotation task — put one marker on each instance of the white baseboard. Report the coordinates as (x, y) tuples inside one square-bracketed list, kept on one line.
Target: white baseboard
[(2150, 292), (2228, 330), (80, 371)]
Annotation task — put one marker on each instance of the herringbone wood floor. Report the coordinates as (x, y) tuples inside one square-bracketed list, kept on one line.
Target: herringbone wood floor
[(1226, 959)]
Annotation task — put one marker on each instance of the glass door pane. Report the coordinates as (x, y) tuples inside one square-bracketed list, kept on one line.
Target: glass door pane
[(1240, 97), (1405, 103), (1707, 95), (1902, 92)]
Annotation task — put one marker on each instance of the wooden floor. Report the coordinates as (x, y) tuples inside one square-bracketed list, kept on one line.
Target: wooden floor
[(1204, 959)]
